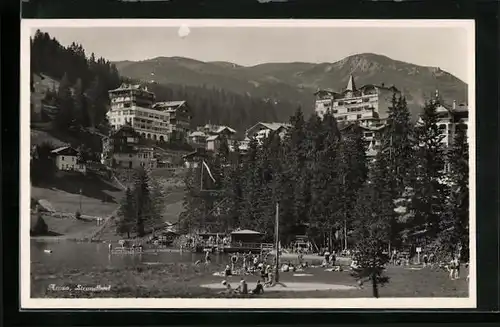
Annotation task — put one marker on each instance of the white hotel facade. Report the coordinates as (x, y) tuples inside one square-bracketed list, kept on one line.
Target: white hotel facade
[(162, 121)]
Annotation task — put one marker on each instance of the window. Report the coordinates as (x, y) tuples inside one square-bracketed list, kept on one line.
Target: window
[(358, 116), (369, 134), (341, 103), (62, 158), (442, 126)]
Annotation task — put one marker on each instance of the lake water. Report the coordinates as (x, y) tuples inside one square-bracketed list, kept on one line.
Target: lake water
[(66, 254), (78, 255)]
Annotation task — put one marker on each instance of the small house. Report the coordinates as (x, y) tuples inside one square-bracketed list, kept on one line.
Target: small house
[(246, 236), (213, 142), (193, 159), (197, 138), (66, 159)]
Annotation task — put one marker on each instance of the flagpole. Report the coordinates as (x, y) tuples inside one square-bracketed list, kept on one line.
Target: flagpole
[(201, 176), (277, 278)]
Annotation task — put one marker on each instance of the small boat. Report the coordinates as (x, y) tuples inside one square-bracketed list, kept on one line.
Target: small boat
[(47, 251)]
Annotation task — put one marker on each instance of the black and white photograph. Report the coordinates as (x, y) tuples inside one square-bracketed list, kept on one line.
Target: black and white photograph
[(247, 164)]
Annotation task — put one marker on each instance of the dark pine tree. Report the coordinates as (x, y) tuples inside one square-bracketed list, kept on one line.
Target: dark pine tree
[(399, 144), (370, 232), (429, 191), (126, 215), (454, 237), (353, 172), (64, 118), (143, 201)]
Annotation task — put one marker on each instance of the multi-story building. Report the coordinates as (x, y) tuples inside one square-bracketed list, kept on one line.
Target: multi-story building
[(162, 121), (450, 118), (372, 135), (123, 148), (368, 104)]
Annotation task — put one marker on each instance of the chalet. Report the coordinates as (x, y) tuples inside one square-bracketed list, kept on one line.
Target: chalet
[(226, 132), (66, 158), (123, 148), (197, 139), (193, 159), (213, 142), (261, 130)]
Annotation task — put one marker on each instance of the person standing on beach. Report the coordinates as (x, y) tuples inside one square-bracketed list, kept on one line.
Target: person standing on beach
[(452, 269), (234, 259), (207, 257), (457, 267)]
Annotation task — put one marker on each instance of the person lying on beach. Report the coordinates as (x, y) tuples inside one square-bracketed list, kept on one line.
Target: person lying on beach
[(228, 287), (259, 289)]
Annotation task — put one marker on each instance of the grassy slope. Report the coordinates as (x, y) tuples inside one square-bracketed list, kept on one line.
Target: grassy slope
[(63, 192), (69, 228)]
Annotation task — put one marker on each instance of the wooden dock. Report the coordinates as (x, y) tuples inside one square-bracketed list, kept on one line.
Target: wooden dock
[(246, 247), (127, 251)]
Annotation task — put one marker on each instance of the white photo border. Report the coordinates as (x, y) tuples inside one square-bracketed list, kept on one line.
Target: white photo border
[(183, 303)]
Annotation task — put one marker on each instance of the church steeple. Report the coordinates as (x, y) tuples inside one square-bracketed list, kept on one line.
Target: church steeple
[(350, 85)]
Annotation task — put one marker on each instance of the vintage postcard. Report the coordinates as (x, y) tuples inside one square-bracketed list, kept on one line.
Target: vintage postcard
[(248, 164)]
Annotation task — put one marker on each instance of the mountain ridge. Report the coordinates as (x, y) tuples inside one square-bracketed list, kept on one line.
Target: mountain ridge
[(296, 82)]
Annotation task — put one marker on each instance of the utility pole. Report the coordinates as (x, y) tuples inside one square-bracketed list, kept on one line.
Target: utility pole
[(80, 201), (345, 218), (277, 240)]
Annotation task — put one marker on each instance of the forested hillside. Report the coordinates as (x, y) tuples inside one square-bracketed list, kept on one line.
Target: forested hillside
[(81, 99)]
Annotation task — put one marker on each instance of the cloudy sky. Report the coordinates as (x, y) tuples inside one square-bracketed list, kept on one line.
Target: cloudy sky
[(444, 47)]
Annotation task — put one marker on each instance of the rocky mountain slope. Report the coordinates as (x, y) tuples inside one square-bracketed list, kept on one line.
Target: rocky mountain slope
[(297, 81)]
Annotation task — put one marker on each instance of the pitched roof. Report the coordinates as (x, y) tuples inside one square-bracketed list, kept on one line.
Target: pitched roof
[(245, 232), (197, 133), (212, 137), (125, 86), (329, 91), (64, 150), (169, 105), (351, 86), (220, 129)]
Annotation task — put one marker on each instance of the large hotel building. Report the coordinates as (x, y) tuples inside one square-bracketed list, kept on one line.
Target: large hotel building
[(159, 121), (368, 105)]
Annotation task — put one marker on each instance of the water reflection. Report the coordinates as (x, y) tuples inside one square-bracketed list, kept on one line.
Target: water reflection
[(79, 255)]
